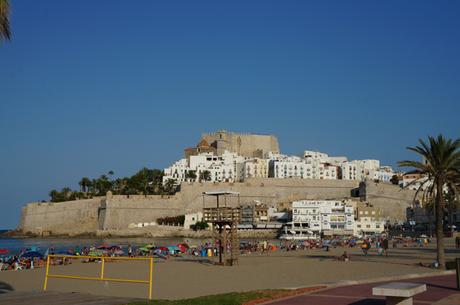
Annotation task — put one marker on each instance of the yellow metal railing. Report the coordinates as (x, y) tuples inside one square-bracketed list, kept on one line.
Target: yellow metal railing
[(101, 277)]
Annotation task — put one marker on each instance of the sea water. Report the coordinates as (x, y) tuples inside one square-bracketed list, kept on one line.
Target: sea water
[(15, 245)]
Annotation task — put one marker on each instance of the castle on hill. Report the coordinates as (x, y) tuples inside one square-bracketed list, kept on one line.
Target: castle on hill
[(243, 144), (234, 157)]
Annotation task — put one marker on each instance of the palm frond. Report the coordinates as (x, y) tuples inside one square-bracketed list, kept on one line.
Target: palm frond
[(416, 164), (5, 31)]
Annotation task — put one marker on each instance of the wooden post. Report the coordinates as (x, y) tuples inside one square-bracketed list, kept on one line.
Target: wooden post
[(45, 284), (220, 244)]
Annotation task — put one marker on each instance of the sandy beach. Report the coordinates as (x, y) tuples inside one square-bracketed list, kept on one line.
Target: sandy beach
[(190, 277)]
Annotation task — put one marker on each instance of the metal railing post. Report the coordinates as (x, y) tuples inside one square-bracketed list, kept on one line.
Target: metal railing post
[(45, 284), (150, 278), (457, 268), (102, 268)]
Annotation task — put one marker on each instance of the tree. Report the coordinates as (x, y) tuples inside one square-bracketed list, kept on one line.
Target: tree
[(200, 225), (394, 180), (441, 170), (84, 184), (5, 32), (205, 175), (145, 181), (53, 195), (66, 192), (170, 187), (191, 175)]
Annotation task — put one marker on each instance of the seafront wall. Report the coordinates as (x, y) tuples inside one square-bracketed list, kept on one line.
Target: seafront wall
[(118, 213)]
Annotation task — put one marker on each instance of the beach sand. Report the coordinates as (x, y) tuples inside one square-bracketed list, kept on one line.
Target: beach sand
[(190, 277)]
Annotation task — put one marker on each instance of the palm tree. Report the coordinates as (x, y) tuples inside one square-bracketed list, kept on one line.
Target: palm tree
[(5, 32), (441, 168), (84, 184)]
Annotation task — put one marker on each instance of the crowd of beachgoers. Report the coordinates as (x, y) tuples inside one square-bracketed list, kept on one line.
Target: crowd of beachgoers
[(34, 257)]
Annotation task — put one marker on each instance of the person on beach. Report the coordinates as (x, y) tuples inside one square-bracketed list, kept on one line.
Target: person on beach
[(264, 247), (326, 246), (365, 247), (345, 257), (385, 246)]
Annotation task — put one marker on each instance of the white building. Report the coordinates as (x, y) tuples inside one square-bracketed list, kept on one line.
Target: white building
[(191, 219), (365, 169), (368, 225), (350, 171), (176, 171), (414, 180), (282, 166), (288, 169), (330, 217), (223, 168), (323, 157), (381, 175), (230, 167), (315, 155), (368, 220), (253, 168)]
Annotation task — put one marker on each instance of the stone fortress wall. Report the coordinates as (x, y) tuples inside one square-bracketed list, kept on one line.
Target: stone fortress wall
[(112, 213), (393, 200), (71, 217)]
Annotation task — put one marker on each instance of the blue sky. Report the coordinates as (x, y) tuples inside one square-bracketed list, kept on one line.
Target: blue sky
[(91, 86)]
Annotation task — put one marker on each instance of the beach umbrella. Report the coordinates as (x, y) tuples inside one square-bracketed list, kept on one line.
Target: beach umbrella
[(31, 254), (4, 251), (182, 248), (144, 249), (173, 249), (96, 253)]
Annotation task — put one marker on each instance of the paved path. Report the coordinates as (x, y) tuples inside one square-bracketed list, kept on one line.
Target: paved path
[(440, 290), (58, 298)]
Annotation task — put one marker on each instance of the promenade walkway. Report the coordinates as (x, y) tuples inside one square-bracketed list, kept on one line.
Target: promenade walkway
[(59, 298), (441, 290)]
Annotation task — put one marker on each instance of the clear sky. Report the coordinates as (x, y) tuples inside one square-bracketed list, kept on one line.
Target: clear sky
[(92, 86)]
